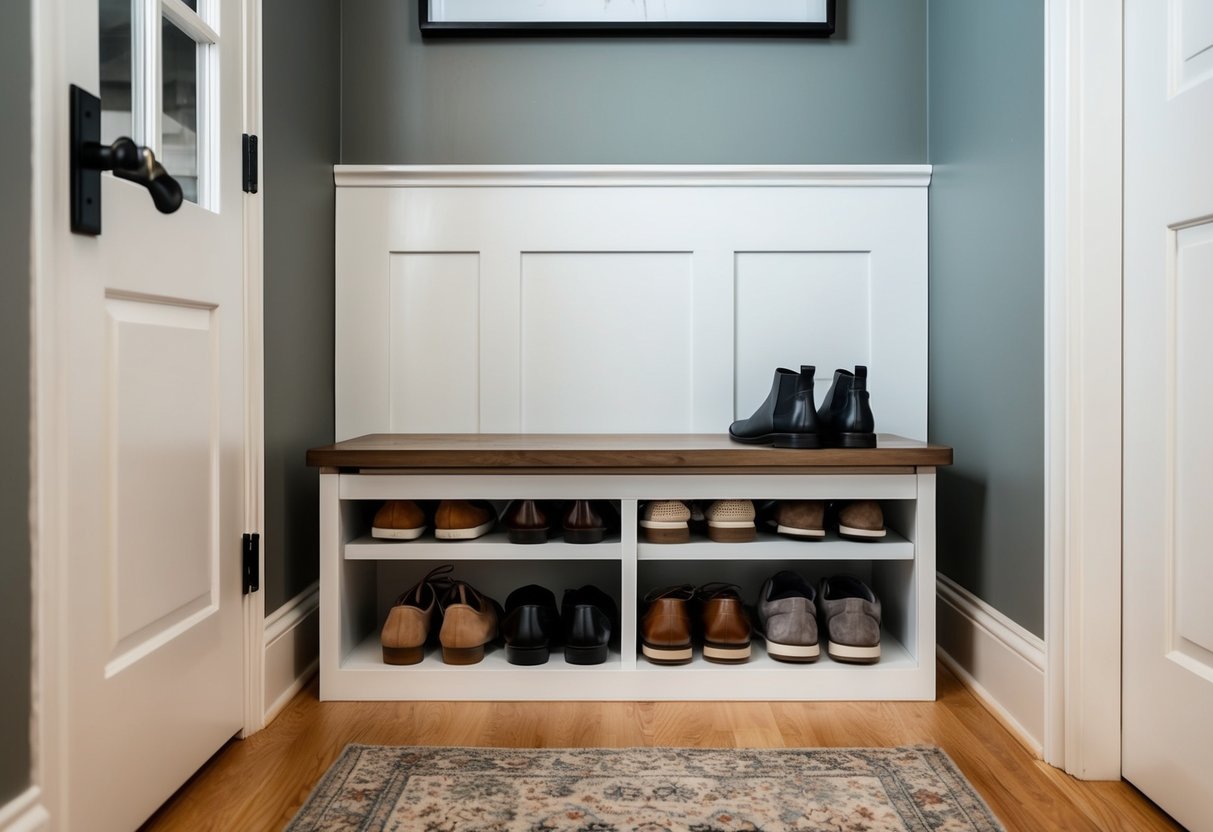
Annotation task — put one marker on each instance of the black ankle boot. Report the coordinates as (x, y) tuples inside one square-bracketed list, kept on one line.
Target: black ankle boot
[(787, 419), (845, 416)]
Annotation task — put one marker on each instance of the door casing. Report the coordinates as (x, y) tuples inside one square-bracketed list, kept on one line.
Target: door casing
[(1083, 390)]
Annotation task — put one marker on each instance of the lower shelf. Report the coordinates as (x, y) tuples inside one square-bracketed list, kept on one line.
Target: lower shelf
[(362, 675)]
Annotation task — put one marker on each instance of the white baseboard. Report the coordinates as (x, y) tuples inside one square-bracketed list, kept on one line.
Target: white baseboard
[(24, 813), (292, 649), (995, 658)]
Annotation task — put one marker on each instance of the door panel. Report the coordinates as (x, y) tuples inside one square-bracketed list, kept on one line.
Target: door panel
[(1193, 451), (1168, 406), (152, 380), (162, 377)]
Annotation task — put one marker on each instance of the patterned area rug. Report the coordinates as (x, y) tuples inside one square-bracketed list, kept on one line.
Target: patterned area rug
[(373, 788)]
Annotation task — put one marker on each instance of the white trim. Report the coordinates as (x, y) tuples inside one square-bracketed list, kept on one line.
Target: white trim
[(291, 630), (998, 660), (254, 375), (24, 813), (1083, 218), (49, 481), (653, 176), (291, 613)]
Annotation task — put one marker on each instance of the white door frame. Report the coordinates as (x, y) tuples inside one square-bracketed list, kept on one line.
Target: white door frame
[(46, 797), (1083, 387)]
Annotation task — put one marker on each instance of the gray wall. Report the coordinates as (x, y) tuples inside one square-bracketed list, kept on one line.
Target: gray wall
[(302, 114), (987, 297), (859, 97), (15, 598)]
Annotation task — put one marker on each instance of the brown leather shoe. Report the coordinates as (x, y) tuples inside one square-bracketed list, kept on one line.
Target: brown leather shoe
[(861, 520), (398, 520), (726, 625), (407, 627), (463, 519), (527, 521), (584, 522), (469, 621), (665, 627)]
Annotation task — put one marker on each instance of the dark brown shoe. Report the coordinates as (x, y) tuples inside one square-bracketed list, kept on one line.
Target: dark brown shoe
[(665, 627), (726, 625), (527, 521), (469, 621), (584, 522)]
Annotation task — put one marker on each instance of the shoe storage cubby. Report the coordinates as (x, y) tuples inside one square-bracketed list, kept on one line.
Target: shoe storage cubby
[(361, 576)]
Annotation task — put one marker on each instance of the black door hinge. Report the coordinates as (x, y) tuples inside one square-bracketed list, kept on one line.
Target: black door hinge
[(252, 563), (249, 149)]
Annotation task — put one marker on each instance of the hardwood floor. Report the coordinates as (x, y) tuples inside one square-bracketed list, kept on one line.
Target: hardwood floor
[(259, 783)]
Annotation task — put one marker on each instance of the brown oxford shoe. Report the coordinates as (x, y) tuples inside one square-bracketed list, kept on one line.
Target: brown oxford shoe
[(665, 627), (469, 622), (726, 625), (408, 623)]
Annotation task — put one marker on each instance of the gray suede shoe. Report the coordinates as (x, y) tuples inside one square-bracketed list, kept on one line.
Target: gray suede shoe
[(851, 614), (788, 618)]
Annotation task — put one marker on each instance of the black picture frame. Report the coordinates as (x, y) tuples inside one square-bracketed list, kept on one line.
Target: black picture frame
[(556, 28)]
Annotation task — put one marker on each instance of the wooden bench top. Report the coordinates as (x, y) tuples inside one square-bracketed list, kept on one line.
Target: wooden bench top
[(512, 451)]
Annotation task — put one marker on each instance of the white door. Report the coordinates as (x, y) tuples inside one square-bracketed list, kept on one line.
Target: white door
[(151, 375), (1168, 406)]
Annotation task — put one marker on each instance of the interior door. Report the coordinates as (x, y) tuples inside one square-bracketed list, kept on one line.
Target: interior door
[(1168, 406), (151, 380)]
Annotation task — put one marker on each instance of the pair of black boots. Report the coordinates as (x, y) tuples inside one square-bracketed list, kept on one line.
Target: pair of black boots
[(584, 625), (789, 419)]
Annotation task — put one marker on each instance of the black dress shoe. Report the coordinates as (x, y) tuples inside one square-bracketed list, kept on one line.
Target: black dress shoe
[(787, 419), (529, 625), (845, 416), (588, 618)]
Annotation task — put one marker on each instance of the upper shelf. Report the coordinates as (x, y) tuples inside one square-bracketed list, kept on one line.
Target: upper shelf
[(510, 452)]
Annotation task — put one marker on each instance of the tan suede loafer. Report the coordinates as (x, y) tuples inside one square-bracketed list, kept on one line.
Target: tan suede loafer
[(861, 520), (801, 518)]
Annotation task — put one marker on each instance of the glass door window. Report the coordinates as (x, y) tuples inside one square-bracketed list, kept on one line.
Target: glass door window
[(159, 59)]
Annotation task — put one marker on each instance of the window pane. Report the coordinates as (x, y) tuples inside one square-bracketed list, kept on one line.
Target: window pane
[(115, 69), (179, 119)]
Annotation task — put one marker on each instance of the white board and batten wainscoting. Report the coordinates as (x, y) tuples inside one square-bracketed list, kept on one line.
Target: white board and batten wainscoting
[(622, 300)]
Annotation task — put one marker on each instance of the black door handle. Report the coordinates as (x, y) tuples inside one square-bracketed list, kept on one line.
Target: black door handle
[(138, 164), (125, 158)]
